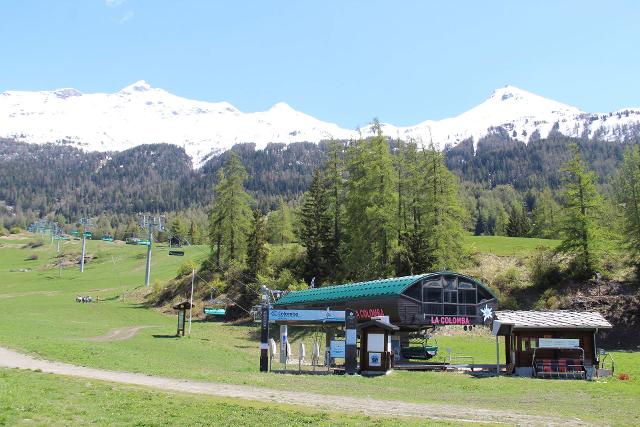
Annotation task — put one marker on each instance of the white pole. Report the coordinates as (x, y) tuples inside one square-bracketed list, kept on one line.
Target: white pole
[(193, 276)]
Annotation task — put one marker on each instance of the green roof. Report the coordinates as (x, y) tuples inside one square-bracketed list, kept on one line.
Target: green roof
[(373, 288), (370, 289)]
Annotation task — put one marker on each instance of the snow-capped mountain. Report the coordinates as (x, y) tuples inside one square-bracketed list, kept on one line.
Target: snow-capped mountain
[(140, 114)]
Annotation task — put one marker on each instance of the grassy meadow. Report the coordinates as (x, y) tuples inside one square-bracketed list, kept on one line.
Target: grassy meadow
[(40, 316)]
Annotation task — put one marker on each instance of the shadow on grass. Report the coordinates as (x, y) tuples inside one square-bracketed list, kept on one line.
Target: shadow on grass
[(165, 336)]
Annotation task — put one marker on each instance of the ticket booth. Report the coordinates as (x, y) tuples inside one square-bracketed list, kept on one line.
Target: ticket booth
[(376, 356)]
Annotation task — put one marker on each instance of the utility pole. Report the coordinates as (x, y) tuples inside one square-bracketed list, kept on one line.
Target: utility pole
[(86, 223), (149, 223)]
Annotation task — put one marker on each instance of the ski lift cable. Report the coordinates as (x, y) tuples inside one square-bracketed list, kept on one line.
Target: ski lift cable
[(222, 270)]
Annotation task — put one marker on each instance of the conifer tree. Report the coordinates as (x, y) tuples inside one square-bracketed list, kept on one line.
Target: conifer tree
[(443, 212), (545, 215), (370, 208), (231, 213), (627, 189), (315, 230), (579, 229), (333, 175), (257, 246), (280, 225)]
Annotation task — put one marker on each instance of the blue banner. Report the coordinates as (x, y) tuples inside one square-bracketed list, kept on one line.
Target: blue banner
[(276, 315)]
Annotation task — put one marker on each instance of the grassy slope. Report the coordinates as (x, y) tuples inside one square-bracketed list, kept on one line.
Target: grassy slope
[(69, 401), (56, 327), (507, 246)]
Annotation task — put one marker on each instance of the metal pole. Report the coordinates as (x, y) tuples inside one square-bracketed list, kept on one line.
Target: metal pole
[(147, 275), (193, 276), (84, 248), (264, 333), (497, 356)]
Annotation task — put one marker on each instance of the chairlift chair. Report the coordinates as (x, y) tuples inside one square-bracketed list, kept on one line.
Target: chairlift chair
[(215, 308), (422, 350)]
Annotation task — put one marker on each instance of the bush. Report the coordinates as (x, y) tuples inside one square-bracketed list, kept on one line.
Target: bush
[(32, 257), (509, 279), (3, 232), (548, 300), (15, 230), (186, 268), (544, 268)]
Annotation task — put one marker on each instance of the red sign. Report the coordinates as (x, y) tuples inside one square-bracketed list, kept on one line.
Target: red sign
[(365, 313), (450, 320)]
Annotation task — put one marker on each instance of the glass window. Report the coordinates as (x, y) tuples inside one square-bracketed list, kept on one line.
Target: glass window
[(450, 282), (450, 310), (465, 285), (414, 292), (434, 284), (432, 309), (433, 295), (451, 296), (467, 296)]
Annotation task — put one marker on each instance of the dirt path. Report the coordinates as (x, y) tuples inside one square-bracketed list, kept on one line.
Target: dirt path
[(372, 407), (119, 334)]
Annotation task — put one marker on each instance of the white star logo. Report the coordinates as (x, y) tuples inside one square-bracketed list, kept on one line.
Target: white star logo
[(487, 313)]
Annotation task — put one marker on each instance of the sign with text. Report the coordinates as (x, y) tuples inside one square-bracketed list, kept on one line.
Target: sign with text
[(276, 315), (375, 359), (559, 342), (450, 320), (337, 349)]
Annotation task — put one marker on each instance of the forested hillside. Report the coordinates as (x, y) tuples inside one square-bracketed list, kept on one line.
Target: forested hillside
[(501, 178)]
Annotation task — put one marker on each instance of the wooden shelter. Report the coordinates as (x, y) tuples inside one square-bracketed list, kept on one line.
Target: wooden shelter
[(558, 343), (376, 356)]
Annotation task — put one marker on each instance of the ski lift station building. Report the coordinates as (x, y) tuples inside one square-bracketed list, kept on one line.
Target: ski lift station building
[(410, 302)]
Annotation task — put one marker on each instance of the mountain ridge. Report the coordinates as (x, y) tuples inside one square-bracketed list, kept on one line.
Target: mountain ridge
[(142, 114)]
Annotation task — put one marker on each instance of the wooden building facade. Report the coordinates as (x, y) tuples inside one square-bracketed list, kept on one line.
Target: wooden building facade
[(539, 342)]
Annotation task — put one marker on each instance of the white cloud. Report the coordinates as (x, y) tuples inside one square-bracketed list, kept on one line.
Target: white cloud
[(128, 16), (113, 3)]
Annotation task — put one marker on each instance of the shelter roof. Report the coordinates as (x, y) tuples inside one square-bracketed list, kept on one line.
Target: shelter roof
[(556, 319), (369, 289)]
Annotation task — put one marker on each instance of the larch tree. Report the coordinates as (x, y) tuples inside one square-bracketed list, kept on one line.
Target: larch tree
[(370, 208), (579, 228), (231, 213), (443, 214), (627, 190)]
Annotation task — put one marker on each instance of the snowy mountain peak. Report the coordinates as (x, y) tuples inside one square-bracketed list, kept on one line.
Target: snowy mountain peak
[(140, 114), (281, 107), (68, 92), (139, 86)]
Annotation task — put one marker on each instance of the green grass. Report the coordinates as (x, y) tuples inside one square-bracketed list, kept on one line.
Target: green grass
[(30, 398), (40, 316), (507, 246)]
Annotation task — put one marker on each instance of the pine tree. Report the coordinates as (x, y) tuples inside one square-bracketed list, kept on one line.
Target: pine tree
[(545, 215), (627, 190), (443, 213), (280, 225), (334, 183), (579, 229), (315, 230), (230, 214), (370, 208), (257, 246), (413, 250)]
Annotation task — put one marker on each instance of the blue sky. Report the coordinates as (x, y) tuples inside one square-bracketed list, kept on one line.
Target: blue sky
[(341, 61)]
